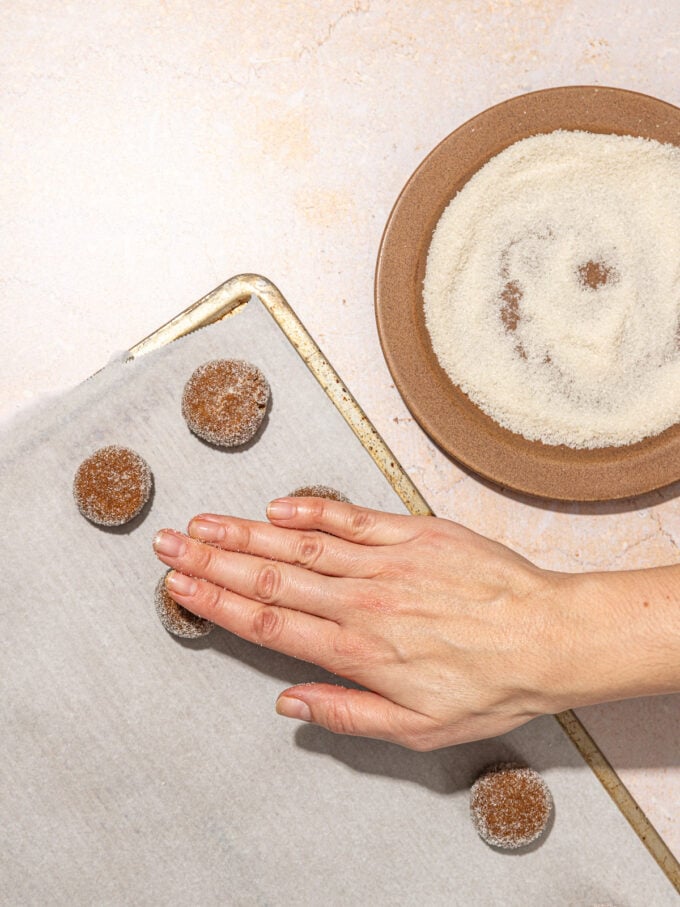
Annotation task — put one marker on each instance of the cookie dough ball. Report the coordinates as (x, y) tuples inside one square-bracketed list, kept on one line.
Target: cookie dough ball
[(178, 620), (225, 401), (510, 805), (319, 491), (112, 486)]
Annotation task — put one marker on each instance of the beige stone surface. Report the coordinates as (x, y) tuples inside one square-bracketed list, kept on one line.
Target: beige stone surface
[(153, 148)]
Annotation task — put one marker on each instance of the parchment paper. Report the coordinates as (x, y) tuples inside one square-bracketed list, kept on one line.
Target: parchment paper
[(138, 769)]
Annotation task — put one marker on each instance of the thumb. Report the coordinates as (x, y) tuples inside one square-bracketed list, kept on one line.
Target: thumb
[(357, 712)]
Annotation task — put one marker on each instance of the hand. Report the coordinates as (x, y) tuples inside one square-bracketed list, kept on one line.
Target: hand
[(454, 636), (444, 627)]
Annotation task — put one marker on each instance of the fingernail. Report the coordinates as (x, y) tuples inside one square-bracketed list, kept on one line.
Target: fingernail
[(207, 530), (281, 510), (293, 708), (181, 584), (169, 544)]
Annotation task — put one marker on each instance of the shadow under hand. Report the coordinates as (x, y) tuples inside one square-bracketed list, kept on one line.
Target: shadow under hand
[(649, 741), (274, 664), (444, 771)]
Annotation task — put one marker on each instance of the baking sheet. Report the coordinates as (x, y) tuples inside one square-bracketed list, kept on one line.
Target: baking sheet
[(140, 769)]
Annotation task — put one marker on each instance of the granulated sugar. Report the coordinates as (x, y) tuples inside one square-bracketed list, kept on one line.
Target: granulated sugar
[(552, 288)]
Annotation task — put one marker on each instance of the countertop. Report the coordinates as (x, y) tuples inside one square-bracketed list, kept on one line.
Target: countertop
[(152, 149)]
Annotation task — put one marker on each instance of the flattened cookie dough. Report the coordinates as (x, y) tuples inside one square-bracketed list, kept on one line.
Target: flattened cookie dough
[(225, 401), (176, 619), (510, 805), (319, 491), (112, 485)]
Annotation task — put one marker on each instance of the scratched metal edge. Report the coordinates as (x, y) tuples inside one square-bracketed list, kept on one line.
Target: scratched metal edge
[(226, 300)]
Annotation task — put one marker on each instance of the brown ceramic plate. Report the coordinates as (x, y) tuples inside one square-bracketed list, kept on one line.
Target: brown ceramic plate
[(457, 425)]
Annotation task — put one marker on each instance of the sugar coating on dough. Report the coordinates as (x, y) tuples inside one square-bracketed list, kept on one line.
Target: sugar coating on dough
[(319, 491), (225, 401), (510, 805), (112, 485), (176, 619)]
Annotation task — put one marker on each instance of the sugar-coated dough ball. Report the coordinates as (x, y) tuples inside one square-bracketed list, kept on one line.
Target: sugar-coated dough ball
[(319, 491), (112, 485), (178, 620), (225, 401), (510, 805)]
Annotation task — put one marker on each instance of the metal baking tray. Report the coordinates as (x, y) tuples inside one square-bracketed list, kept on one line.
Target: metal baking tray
[(225, 301)]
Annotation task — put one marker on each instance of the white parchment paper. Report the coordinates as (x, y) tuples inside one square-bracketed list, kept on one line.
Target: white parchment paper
[(139, 769)]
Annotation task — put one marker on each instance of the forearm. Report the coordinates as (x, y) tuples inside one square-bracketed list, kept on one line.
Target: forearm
[(620, 636)]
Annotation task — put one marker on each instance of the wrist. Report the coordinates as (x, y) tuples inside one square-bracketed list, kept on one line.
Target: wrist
[(612, 636)]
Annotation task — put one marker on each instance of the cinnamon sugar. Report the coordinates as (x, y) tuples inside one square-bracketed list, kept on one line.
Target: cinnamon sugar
[(112, 485), (176, 619), (225, 401), (510, 805)]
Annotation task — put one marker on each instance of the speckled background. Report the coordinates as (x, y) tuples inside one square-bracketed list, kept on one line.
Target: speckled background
[(152, 149)]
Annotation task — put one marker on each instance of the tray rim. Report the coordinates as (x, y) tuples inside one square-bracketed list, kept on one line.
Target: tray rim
[(233, 295)]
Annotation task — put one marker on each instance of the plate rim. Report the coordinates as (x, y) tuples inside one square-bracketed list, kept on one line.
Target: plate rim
[(571, 458)]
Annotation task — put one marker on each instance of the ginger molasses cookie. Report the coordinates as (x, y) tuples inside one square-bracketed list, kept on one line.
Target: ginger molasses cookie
[(175, 618), (510, 805), (225, 401), (112, 485), (319, 491)]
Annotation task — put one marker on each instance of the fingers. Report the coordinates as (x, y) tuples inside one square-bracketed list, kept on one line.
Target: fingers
[(291, 632), (359, 713), (316, 551), (345, 521), (256, 578)]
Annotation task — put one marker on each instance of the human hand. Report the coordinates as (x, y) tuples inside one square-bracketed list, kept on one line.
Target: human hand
[(447, 630)]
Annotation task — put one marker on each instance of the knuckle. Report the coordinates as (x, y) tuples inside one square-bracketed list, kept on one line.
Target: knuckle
[(403, 570), (419, 744), (209, 597), (382, 567), (238, 537), (361, 522), (316, 510), (377, 604), (203, 558), (437, 532), (377, 600), (268, 584), (267, 626), (422, 740), (339, 718), (349, 650), (309, 550), (428, 531), (342, 645)]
